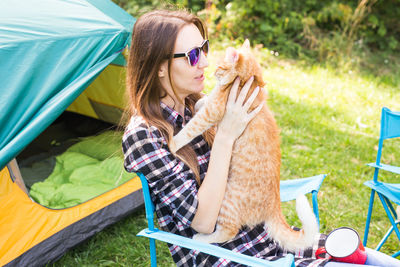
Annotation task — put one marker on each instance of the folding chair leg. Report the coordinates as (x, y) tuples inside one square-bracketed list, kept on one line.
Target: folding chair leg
[(368, 221), (153, 256), (388, 233), (395, 255), (391, 229), (394, 213), (315, 205), (389, 214)]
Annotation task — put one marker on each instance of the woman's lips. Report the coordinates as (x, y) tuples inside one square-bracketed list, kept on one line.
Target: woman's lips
[(200, 78)]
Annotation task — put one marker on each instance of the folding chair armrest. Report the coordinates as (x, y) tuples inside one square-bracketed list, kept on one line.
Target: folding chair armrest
[(210, 249), (290, 189), (390, 168)]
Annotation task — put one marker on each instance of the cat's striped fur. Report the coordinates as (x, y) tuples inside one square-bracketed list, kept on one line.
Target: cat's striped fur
[(252, 194)]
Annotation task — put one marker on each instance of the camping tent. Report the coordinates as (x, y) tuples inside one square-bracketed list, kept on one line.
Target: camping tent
[(50, 52)]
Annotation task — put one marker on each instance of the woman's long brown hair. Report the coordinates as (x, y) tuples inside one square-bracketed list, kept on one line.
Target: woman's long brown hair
[(153, 41)]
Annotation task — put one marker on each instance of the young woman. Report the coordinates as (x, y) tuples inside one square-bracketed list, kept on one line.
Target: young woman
[(164, 80)]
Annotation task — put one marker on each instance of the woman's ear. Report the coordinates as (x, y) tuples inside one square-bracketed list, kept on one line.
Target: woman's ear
[(162, 71)]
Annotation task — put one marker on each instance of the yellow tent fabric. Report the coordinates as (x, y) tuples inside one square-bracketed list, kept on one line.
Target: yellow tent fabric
[(27, 224), (104, 98)]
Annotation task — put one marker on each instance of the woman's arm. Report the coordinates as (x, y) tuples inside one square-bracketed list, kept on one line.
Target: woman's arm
[(212, 189)]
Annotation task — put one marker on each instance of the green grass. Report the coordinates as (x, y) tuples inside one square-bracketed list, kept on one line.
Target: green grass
[(329, 120), (117, 245)]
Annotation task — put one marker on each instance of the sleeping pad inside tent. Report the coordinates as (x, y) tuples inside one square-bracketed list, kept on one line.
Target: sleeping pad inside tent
[(62, 169)]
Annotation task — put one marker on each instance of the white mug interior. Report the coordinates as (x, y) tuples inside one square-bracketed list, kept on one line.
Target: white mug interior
[(342, 242)]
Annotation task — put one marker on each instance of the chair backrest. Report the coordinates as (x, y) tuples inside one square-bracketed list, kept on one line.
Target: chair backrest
[(390, 128), (390, 124)]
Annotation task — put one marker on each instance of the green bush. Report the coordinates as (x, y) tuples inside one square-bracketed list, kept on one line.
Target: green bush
[(382, 28), (321, 29), (139, 7), (332, 31)]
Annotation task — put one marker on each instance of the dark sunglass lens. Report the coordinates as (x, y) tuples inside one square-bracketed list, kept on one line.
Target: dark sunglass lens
[(205, 47), (194, 56)]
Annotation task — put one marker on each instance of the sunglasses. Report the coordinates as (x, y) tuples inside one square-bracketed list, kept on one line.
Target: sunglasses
[(193, 55)]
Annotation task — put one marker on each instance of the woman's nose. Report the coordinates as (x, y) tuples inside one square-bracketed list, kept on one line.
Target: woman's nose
[(203, 62)]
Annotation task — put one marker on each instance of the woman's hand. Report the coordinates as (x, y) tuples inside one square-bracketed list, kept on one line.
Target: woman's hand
[(236, 115)]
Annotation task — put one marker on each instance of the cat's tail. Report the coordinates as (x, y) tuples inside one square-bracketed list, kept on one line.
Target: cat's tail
[(290, 239)]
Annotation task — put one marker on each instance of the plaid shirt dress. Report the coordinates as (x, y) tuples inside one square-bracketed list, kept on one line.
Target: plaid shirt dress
[(173, 189)]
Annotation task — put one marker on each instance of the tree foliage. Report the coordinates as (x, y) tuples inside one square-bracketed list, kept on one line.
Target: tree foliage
[(320, 28)]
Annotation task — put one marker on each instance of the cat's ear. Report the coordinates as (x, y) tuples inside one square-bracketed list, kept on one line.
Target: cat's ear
[(246, 44), (231, 55)]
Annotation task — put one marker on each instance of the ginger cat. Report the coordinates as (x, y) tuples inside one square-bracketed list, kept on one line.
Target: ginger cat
[(252, 193)]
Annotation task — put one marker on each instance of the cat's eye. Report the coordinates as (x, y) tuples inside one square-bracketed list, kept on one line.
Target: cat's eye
[(193, 55)]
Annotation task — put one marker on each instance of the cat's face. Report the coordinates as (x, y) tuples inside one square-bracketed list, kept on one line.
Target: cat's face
[(234, 64)]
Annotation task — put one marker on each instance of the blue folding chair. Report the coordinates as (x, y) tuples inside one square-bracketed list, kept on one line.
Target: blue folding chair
[(387, 192), (289, 191)]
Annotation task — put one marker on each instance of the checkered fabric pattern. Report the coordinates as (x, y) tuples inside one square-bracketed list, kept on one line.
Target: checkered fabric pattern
[(174, 189)]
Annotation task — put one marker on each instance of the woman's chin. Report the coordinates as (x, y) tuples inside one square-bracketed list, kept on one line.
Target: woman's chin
[(200, 88), (197, 90)]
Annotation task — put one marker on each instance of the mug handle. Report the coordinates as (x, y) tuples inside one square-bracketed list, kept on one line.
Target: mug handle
[(319, 251)]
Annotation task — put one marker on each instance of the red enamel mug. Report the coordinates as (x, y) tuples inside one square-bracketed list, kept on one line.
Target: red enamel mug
[(344, 245)]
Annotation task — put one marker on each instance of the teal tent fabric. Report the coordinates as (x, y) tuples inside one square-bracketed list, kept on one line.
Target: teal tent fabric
[(50, 51)]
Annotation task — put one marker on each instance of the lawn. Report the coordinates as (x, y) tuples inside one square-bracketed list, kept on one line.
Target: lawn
[(329, 120)]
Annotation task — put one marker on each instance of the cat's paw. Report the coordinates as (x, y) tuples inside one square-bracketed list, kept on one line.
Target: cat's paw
[(176, 143), (172, 146), (202, 238), (200, 103)]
